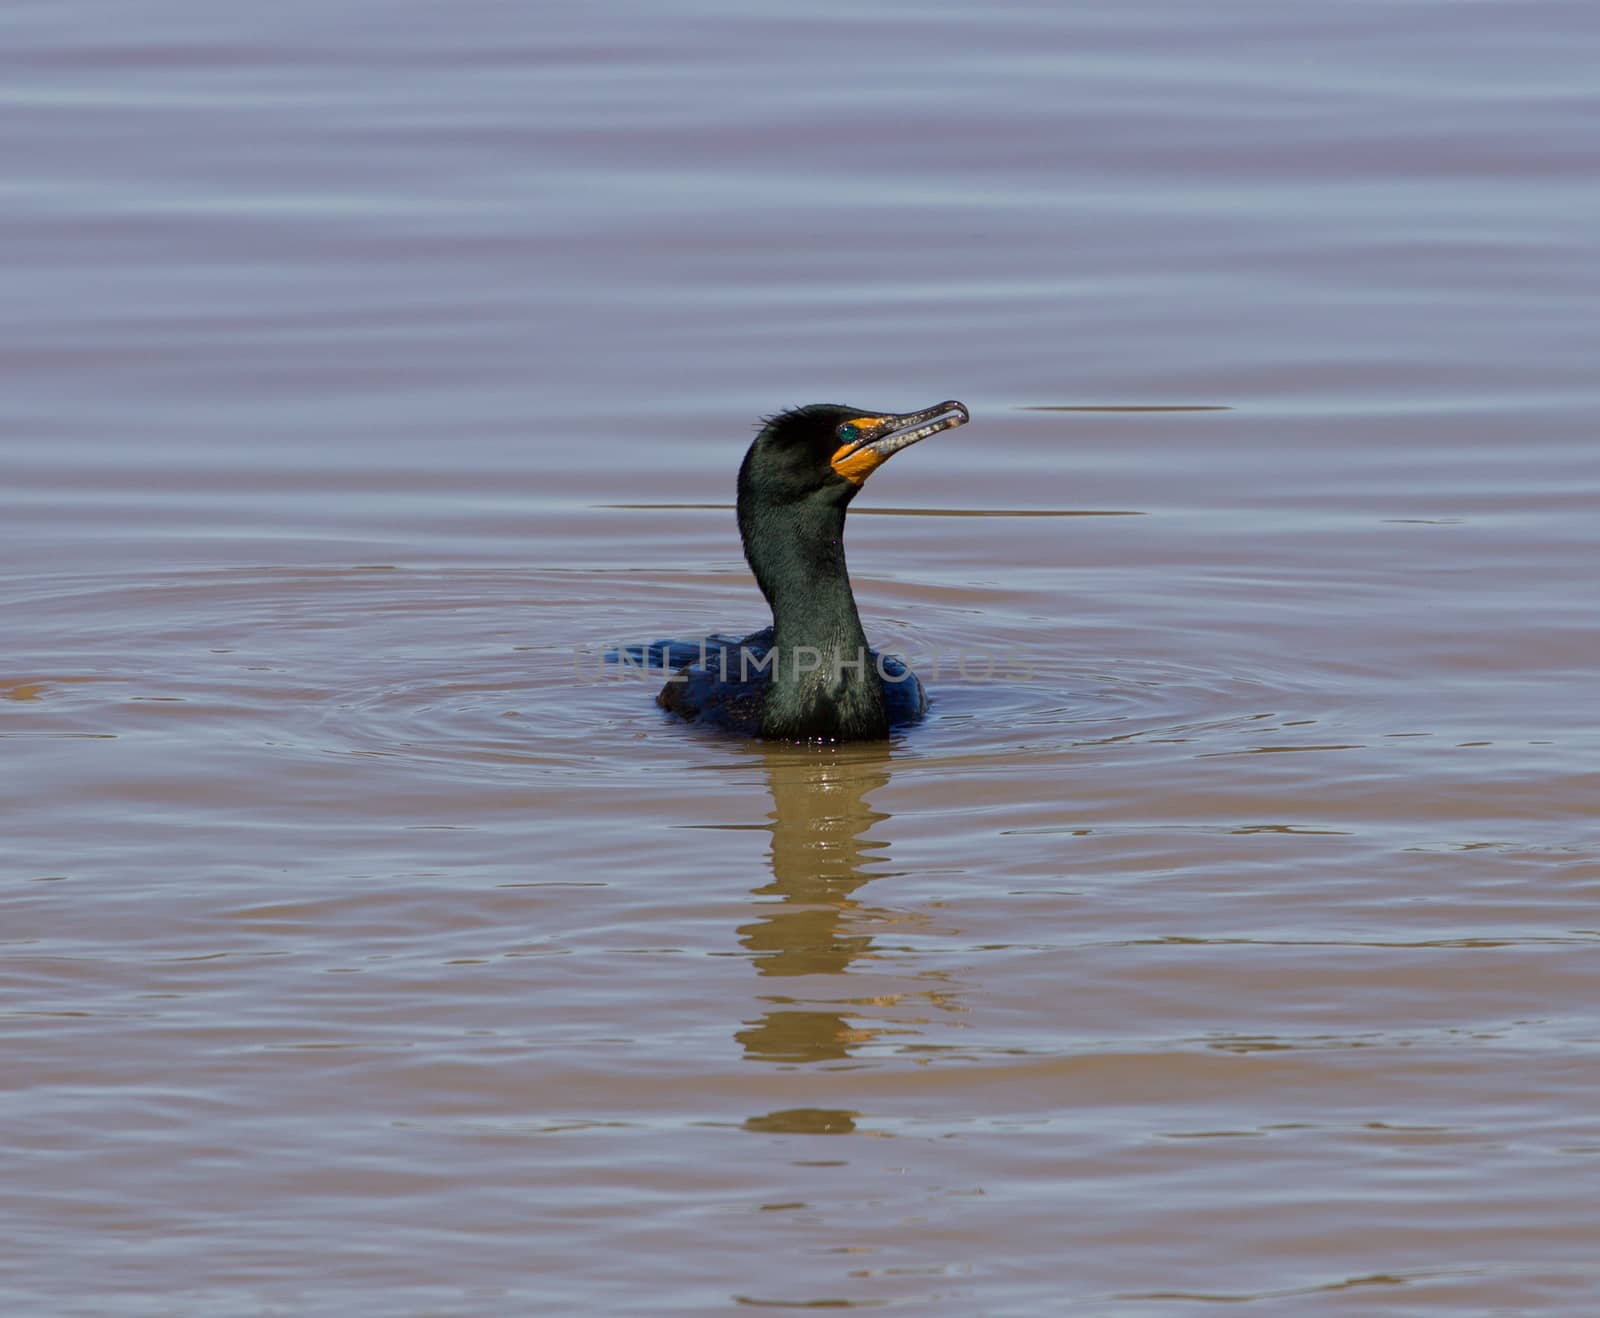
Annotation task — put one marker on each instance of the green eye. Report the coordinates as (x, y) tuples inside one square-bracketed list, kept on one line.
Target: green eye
[(849, 434)]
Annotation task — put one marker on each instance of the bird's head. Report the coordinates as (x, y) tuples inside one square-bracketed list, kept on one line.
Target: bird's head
[(825, 451)]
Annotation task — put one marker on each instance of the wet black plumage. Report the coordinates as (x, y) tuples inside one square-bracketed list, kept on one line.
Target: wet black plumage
[(810, 676)]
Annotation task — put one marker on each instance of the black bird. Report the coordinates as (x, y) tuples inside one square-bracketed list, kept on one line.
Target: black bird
[(810, 676)]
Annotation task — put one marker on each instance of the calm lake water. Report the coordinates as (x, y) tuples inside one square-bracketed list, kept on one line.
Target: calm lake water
[(1230, 931)]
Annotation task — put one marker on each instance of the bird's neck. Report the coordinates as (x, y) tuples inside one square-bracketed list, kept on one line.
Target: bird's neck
[(824, 682)]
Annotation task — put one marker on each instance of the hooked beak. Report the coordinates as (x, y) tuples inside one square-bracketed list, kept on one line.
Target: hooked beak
[(880, 437)]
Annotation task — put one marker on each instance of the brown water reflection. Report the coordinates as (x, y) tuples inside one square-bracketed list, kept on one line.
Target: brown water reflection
[(820, 857)]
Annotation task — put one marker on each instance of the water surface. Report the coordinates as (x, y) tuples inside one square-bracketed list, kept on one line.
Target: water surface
[(1227, 933)]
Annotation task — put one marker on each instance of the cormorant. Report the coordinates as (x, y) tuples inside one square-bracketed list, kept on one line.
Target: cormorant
[(810, 676)]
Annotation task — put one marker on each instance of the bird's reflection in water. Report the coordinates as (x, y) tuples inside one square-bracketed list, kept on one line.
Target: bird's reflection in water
[(805, 1121), (820, 859)]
